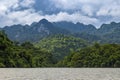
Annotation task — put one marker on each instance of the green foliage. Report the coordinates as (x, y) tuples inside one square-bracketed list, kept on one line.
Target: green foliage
[(66, 51), (24, 55), (61, 45), (107, 55)]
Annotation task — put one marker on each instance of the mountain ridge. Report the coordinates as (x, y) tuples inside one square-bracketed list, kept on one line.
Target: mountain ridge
[(43, 28)]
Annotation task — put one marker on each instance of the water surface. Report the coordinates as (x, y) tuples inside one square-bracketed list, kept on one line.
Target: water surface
[(59, 74)]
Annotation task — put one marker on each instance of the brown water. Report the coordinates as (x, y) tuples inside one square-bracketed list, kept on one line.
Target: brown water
[(60, 74)]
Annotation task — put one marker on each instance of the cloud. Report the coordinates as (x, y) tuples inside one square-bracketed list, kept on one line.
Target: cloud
[(19, 17), (73, 4), (5, 5), (17, 12), (23, 17), (13, 15), (88, 10), (85, 11), (96, 7), (113, 10), (102, 10), (29, 16), (75, 17)]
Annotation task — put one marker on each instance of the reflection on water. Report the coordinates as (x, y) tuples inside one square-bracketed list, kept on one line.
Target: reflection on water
[(60, 74)]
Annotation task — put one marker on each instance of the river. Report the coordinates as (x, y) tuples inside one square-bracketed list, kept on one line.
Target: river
[(59, 74)]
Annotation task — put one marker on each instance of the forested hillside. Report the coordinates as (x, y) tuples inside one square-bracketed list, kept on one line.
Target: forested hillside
[(58, 51), (107, 55), (61, 45), (24, 55)]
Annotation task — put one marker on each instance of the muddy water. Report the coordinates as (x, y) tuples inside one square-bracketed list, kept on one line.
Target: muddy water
[(60, 74)]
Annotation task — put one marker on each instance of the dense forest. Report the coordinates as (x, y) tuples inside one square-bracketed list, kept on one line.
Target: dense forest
[(61, 45), (72, 52), (107, 55), (13, 54)]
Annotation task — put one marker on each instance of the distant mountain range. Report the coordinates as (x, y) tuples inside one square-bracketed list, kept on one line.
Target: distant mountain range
[(107, 33), (34, 32)]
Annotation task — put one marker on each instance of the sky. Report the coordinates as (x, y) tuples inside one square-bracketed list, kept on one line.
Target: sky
[(94, 12)]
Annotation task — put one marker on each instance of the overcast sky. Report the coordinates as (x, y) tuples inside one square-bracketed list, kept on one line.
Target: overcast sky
[(94, 12)]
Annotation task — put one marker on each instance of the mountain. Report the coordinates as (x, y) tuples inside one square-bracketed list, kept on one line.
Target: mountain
[(109, 28), (76, 28), (107, 33), (33, 32), (39, 30), (110, 32)]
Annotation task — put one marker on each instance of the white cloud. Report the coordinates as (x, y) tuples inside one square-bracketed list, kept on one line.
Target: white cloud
[(99, 7), (29, 15), (112, 9), (5, 5), (23, 17), (75, 17), (73, 4), (85, 11), (20, 17), (104, 10), (10, 13)]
